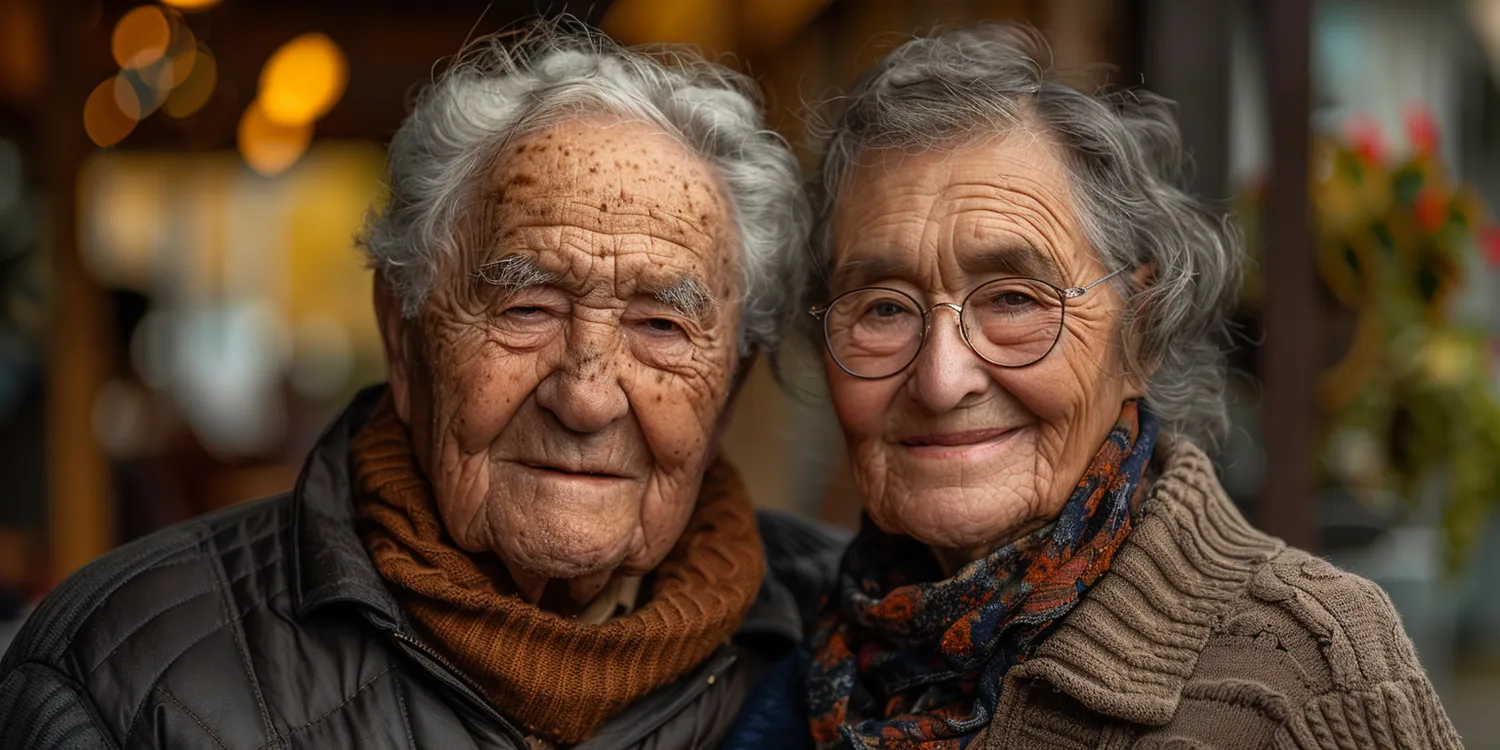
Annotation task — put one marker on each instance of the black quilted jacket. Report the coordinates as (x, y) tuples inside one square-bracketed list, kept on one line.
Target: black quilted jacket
[(266, 626)]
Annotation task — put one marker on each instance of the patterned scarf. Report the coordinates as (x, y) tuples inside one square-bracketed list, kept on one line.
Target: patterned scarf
[(902, 659)]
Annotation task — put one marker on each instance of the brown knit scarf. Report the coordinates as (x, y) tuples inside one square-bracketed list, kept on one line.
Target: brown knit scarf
[(556, 678)]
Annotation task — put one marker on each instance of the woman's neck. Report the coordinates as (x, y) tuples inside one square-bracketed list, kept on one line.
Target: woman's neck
[(951, 559)]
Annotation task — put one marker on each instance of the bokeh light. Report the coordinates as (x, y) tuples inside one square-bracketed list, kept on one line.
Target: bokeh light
[(193, 92), (103, 119), (177, 64), (303, 79), (268, 146), (191, 5), (136, 96), (141, 37)]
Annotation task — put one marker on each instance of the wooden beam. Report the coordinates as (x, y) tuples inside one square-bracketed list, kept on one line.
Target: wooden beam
[(1184, 53), (1288, 358), (80, 506)]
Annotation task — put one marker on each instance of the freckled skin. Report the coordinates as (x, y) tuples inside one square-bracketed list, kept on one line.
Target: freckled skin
[(504, 416), (933, 209)]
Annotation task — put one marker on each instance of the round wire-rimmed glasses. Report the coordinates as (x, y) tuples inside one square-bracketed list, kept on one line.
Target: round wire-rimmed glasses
[(876, 332)]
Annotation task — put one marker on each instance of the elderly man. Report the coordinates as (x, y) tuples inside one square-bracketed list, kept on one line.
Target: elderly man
[(527, 539)]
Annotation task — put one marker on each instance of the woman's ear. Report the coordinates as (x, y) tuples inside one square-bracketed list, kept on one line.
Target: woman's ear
[(1141, 369), (1142, 275), (393, 334)]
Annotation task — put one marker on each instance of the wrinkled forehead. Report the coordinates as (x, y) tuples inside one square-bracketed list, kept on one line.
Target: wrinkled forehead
[(1003, 205), (600, 185)]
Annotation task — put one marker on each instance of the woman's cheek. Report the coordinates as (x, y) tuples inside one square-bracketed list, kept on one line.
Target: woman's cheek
[(862, 405)]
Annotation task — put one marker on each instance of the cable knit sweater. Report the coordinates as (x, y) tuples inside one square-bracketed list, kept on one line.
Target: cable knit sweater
[(1207, 633)]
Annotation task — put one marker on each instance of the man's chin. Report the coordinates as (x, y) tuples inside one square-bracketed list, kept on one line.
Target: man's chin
[(571, 556)]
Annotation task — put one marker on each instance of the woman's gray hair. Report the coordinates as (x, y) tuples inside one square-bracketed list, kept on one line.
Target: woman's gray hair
[(550, 70), (1125, 158)]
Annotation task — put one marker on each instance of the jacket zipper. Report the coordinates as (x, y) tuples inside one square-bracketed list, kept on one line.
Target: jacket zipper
[(456, 680)]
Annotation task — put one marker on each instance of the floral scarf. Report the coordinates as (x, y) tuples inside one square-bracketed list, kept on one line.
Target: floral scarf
[(902, 659)]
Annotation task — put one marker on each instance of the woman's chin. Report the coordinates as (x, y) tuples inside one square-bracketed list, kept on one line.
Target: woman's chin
[(950, 525)]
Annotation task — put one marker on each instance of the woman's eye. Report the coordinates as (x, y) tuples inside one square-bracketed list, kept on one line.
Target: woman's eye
[(1013, 299), (887, 309)]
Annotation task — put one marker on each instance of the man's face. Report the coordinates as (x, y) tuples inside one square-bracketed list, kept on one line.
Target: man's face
[(564, 383)]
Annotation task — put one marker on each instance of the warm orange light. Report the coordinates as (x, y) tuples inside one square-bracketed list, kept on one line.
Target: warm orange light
[(303, 80), (705, 23), (191, 5), (179, 60), (269, 147), (128, 97), (102, 118), (196, 89), (141, 37)]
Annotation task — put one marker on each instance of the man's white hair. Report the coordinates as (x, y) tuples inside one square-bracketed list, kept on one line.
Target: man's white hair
[(554, 69)]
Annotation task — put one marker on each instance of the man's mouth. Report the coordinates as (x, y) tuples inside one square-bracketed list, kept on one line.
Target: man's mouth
[(589, 473)]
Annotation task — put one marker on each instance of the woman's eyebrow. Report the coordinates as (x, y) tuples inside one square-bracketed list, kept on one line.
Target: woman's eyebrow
[(1012, 260), (858, 272)]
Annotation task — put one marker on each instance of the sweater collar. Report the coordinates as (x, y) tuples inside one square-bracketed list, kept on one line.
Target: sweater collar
[(1130, 645)]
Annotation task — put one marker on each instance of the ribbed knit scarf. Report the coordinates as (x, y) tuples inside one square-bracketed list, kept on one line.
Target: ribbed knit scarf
[(904, 660), (555, 678)]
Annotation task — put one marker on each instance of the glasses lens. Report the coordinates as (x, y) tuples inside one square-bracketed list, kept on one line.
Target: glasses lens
[(873, 333), (1013, 322)]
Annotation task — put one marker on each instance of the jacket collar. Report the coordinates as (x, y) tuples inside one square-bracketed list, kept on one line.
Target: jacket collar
[(331, 566), (330, 562), (1132, 642)]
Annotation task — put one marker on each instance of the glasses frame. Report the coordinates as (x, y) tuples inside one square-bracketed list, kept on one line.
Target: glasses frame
[(820, 312)]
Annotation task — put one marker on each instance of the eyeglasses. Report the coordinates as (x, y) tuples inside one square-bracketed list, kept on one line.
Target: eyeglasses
[(875, 332)]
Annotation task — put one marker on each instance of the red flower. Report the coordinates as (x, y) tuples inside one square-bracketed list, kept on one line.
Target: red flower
[(1422, 128), (1431, 209), (1368, 143)]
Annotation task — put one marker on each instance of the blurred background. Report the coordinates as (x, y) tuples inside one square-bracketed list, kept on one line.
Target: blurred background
[(182, 309)]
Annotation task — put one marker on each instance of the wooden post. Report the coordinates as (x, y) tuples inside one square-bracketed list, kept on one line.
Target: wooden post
[(1184, 55), (80, 509), (1288, 362)]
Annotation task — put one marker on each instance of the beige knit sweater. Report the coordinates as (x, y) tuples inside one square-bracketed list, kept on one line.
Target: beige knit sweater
[(1209, 634)]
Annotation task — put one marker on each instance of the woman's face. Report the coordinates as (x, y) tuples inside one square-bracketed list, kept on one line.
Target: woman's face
[(954, 451)]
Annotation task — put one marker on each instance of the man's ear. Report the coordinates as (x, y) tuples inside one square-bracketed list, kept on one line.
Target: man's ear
[(393, 334), (741, 374)]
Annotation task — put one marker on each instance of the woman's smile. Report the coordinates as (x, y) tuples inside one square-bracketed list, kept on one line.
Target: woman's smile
[(969, 445)]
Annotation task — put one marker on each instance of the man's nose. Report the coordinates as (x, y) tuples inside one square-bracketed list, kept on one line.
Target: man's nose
[(585, 392)]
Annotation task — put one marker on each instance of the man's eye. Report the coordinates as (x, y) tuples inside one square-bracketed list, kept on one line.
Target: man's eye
[(662, 325), (524, 312)]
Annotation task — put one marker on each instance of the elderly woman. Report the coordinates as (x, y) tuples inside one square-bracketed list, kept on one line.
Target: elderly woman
[(527, 539), (1021, 320)]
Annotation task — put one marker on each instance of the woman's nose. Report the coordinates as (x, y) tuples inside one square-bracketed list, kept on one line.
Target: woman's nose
[(947, 372)]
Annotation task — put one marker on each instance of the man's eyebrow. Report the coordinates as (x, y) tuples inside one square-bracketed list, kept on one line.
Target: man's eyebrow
[(514, 273), (688, 296)]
